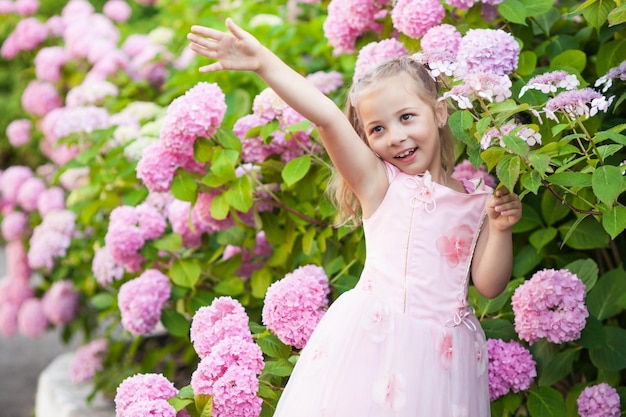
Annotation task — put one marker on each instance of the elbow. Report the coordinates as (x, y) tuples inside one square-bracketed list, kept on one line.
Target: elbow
[(490, 290)]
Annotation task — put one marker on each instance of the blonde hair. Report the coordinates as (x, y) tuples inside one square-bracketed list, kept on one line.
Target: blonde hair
[(344, 199)]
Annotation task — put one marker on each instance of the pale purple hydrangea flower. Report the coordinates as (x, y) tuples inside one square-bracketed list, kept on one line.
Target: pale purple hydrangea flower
[(90, 92), (104, 268), (14, 225), (48, 63), (11, 180), (141, 301), (489, 50), (494, 136), (326, 82), (349, 19), (51, 238), (601, 400), (198, 113), (415, 17), (142, 388), (461, 4), (490, 87), (550, 305), (618, 72), (465, 171), (29, 192), (442, 37), (18, 132), (88, 360), (224, 318), (582, 103), (439, 62), (31, 319), (295, 304), (117, 10), (60, 302), (550, 82), (375, 53), (40, 97), (511, 367), (28, 34)]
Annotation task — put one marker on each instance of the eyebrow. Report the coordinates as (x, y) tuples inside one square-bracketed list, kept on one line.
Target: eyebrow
[(404, 110)]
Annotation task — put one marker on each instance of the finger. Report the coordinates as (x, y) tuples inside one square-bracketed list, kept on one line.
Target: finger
[(237, 31), (206, 32), (216, 66)]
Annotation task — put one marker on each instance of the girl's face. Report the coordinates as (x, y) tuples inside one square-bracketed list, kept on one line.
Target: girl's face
[(401, 127)]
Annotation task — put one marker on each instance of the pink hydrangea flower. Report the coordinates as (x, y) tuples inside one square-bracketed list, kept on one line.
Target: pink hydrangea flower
[(104, 268), (349, 19), (583, 103), (151, 221), (31, 319), (51, 199), (235, 394), (224, 318), (11, 180), (15, 290), (14, 225), (374, 53), (442, 37), (511, 367), (60, 302), (142, 388), (18, 132), (601, 400), (26, 7), (40, 97), (48, 63), (326, 82), (550, 82), (27, 35), (494, 136), (552, 305), (88, 360), (90, 92), (6, 7), (156, 167), (461, 4), (491, 87), (8, 319), (17, 261), (178, 215), (491, 51), (198, 113), (202, 210), (124, 238), (415, 17), (29, 192), (117, 10), (51, 238), (295, 304), (615, 73), (465, 171), (141, 301)]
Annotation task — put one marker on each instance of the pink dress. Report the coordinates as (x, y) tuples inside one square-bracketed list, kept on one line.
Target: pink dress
[(403, 342)]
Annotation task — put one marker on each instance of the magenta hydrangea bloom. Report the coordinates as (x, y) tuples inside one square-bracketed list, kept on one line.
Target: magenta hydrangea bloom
[(88, 360), (178, 214), (415, 17), (375, 53), (295, 304), (461, 4), (14, 225), (511, 367), (492, 51), (198, 113), (349, 19), (60, 302), (141, 301), (150, 221), (124, 238), (17, 260), (18, 132), (442, 37), (552, 305), (601, 400), (142, 388), (31, 319), (224, 318), (156, 168), (583, 103), (465, 171)]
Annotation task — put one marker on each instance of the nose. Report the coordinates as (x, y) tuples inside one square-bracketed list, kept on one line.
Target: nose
[(396, 135)]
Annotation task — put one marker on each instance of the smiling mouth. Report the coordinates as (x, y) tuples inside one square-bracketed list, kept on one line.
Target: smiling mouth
[(406, 153)]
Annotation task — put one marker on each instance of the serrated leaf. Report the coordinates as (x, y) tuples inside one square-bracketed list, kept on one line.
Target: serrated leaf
[(202, 150), (557, 368), (517, 145), (239, 196), (461, 122), (612, 357), (546, 402), (228, 140), (498, 329), (614, 220), (219, 207), (617, 15), (273, 347), (184, 187), (598, 12), (606, 182), (296, 169), (175, 323), (570, 179), (491, 157), (508, 170), (584, 234), (542, 237), (185, 272), (281, 367), (170, 242), (603, 300)]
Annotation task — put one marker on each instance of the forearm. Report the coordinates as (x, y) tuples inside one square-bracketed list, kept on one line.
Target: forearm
[(493, 266)]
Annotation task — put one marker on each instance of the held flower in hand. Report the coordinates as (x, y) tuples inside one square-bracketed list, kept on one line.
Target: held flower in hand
[(552, 305), (599, 400), (511, 368)]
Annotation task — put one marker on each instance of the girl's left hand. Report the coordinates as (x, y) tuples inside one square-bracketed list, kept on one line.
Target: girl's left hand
[(504, 209)]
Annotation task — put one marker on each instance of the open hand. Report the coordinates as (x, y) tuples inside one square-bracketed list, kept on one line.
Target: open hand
[(504, 209), (237, 50)]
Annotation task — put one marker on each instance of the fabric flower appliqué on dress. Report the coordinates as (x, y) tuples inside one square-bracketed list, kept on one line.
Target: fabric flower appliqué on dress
[(377, 320), (389, 392), (445, 350), (424, 190), (456, 245)]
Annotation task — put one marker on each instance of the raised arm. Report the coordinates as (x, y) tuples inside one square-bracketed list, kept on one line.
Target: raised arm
[(239, 50), (493, 260)]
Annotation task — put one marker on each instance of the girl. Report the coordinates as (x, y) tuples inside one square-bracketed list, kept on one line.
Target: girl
[(404, 342)]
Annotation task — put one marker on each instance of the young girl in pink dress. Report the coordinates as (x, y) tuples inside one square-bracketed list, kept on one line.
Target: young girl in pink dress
[(404, 341)]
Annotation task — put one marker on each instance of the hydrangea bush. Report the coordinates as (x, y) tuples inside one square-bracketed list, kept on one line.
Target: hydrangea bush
[(176, 222)]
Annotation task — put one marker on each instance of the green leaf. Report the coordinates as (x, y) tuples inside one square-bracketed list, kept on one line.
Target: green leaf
[(491, 156), (610, 55), (223, 164), (228, 140), (530, 219), (498, 329), (232, 286), (598, 12), (204, 405), (588, 234), (296, 169), (593, 335), (219, 207), (175, 323), (546, 402), (586, 270), (570, 179), (170, 242), (527, 63), (614, 136), (273, 347), (185, 272), (552, 209), (531, 181), (461, 122), (537, 7), (102, 300), (202, 150), (517, 145), (260, 281), (612, 357), (508, 170), (539, 161), (607, 182), (239, 196), (542, 237), (602, 300), (614, 220), (184, 186), (557, 368), (617, 15), (526, 260), (513, 11), (569, 59), (281, 367)]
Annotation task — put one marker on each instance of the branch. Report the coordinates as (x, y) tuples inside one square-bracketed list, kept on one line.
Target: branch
[(567, 204)]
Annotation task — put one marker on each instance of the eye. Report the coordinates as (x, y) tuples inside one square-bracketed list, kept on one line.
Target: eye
[(376, 129), (406, 116)]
